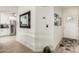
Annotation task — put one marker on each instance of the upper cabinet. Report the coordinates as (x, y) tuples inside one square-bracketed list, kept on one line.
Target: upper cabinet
[(4, 18)]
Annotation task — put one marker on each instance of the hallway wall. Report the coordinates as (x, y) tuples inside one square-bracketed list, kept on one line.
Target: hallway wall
[(58, 30), (44, 36), (38, 36), (24, 35), (42, 31)]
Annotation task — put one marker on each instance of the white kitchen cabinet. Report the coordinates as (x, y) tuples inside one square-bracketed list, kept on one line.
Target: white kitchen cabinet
[(4, 19), (4, 32)]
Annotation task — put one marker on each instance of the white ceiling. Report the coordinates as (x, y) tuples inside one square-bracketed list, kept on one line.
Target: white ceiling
[(68, 6)]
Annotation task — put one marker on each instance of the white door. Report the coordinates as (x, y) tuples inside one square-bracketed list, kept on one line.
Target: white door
[(71, 27)]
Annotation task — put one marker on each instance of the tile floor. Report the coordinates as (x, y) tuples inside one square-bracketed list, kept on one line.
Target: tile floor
[(68, 46), (10, 45)]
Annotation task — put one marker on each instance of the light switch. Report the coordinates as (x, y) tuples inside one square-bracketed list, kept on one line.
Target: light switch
[(44, 17), (47, 26)]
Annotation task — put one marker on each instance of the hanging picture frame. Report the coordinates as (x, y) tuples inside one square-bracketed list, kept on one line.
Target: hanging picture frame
[(25, 19), (57, 20)]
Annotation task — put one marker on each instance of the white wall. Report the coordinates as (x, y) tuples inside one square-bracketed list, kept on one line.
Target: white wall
[(39, 36), (24, 35), (58, 30), (44, 36), (71, 28)]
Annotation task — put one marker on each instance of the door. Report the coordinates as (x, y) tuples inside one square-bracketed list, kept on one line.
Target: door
[(71, 27)]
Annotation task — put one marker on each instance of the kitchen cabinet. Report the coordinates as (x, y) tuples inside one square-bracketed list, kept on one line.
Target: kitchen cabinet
[(4, 20), (4, 32)]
